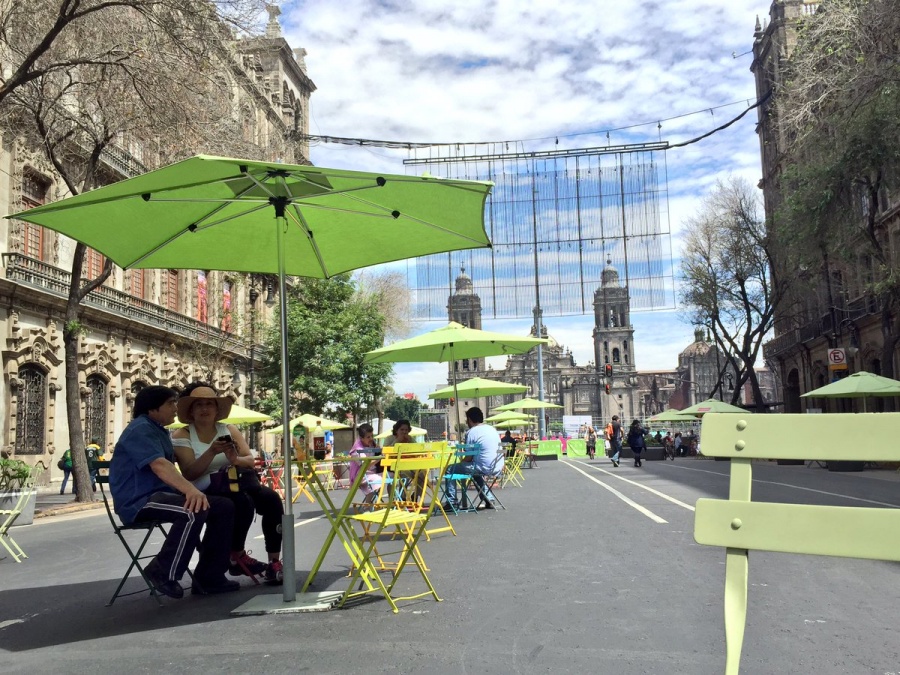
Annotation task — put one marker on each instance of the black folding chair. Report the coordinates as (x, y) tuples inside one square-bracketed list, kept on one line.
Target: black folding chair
[(135, 553)]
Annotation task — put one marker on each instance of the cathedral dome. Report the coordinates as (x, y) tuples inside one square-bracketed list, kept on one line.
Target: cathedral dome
[(610, 275), (464, 282), (699, 347)]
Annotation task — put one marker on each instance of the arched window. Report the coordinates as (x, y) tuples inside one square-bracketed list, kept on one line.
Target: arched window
[(95, 410), (465, 364), (31, 411), (616, 356)]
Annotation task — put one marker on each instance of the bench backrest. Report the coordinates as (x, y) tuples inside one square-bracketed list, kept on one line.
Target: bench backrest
[(739, 524)]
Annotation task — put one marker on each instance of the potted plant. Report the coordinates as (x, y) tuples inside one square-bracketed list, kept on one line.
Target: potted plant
[(17, 476)]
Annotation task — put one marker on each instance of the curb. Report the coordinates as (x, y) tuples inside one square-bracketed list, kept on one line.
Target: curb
[(66, 508)]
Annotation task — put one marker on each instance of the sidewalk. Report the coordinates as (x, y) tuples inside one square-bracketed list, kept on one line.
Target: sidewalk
[(50, 503)]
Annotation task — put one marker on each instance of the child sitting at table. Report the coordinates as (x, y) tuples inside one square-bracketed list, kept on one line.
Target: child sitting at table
[(364, 447)]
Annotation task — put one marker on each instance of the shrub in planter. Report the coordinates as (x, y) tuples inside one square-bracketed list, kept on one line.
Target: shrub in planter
[(16, 476)]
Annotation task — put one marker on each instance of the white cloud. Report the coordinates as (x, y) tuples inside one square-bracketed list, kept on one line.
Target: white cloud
[(493, 70)]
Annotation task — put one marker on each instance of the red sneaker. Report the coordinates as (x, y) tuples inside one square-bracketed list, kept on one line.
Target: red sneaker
[(246, 565), (274, 573)]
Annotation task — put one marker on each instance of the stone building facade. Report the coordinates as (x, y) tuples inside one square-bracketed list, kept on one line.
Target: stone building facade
[(141, 327), (839, 314)]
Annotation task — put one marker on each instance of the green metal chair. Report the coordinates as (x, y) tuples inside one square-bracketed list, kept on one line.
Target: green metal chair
[(739, 524)]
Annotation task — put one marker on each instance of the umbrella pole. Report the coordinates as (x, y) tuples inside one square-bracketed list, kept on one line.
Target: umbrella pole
[(287, 520), (455, 390)]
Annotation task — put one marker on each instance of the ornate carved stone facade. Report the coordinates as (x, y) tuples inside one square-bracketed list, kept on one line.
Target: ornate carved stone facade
[(141, 327)]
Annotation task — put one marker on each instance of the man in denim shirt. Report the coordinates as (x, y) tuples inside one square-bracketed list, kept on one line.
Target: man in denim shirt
[(487, 460)]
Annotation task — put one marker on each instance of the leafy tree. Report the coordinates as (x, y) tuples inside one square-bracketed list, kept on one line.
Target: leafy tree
[(402, 408), (330, 328), (839, 113), (732, 279), (90, 76)]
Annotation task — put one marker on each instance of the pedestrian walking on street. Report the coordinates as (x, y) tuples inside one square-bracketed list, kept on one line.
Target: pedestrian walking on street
[(65, 463), (636, 440), (614, 436), (591, 441), (92, 453), (669, 446)]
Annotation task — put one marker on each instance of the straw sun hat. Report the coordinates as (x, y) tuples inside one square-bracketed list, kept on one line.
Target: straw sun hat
[(224, 404)]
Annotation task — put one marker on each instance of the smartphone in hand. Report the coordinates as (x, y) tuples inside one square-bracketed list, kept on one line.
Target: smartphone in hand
[(226, 438)]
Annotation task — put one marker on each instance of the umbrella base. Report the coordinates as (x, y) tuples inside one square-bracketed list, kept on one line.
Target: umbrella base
[(275, 604), (845, 466)]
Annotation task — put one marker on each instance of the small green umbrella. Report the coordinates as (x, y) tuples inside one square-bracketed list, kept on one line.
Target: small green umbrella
[(308, 421), (512, 424), (672, 415), (711, 405), (527, 404), (478, 387), (858, 385), (220, 213), (508, 416), (238, 415), (450, 343)]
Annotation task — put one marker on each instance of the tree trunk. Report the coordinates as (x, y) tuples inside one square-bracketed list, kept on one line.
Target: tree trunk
[(889, 339)]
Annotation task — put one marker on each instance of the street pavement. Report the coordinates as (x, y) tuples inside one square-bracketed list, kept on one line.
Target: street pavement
[(591, 569)]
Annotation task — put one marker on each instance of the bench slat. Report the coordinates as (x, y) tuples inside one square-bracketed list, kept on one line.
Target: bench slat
[(849, 532)]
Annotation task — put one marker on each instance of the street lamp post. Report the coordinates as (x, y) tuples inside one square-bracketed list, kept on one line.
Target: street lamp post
[(251, 372)]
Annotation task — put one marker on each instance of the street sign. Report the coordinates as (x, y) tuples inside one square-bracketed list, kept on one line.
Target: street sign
[(837, 359)]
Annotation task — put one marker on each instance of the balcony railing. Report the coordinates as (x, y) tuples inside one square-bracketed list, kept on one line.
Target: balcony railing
[(36, 274)]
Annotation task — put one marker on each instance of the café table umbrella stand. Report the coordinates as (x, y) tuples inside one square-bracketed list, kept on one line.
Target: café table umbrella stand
[(215, 213)]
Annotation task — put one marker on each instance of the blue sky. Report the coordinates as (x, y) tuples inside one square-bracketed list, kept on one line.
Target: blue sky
[(497, 70)]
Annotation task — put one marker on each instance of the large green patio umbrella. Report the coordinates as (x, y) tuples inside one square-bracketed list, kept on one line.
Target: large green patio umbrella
[(478, 387), (508, 415), (217, 213), (858, 385), (527, 404), (451, 343), (672, 415), (513, 424), (712, 405)]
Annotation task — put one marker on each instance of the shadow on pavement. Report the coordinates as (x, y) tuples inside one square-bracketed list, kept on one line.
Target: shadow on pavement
[(67, 614)]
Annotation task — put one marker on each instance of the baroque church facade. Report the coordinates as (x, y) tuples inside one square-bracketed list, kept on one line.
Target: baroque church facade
[(141, 327)]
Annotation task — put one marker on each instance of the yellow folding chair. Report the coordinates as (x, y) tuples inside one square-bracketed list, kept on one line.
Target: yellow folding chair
[(409, 525), (512, 469), (9, 516)]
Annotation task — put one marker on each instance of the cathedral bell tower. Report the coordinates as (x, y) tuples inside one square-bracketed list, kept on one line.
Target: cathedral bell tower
[(464, 307), (614, 346)]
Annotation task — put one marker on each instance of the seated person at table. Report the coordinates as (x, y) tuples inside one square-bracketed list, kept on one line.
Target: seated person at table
[(487, 460), (146, 486), (200, 451), (400, 434), (364, 447), (510, 442)]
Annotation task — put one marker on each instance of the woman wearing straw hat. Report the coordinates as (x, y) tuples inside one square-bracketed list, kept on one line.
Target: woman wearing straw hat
[(205, 446)]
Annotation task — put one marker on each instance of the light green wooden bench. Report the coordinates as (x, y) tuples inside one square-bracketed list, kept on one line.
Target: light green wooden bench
[(741, 525)]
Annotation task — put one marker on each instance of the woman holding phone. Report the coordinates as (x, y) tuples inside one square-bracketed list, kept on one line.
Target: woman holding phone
[(205, 446)]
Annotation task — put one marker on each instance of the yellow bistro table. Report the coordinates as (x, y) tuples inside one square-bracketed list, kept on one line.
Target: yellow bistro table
[(340, 528)]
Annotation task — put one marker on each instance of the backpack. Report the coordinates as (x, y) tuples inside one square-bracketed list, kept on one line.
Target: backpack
[(65, 462)]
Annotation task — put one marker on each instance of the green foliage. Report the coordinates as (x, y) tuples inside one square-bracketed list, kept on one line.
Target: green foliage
[(399, 408), (14, 473), (330, 328)]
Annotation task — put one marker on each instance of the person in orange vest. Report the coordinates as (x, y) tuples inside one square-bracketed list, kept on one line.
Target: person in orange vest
[(614, 436)]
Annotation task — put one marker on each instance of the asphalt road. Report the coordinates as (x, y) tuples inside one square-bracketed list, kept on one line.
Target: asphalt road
[(590, 570)]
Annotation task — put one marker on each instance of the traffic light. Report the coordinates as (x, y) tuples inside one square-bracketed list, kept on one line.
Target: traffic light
[(607, 388), (609, 370)]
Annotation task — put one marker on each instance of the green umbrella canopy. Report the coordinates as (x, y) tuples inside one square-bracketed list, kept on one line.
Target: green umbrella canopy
[(478, 387), (510, 415), (218, 213), (857, 385), (309, 422), (452, 342), (238, 415), (512, 424), (711, 405), (672, 415), (527, 403)]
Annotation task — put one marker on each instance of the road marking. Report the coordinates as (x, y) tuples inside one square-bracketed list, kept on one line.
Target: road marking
[(647, 512), (296, 525), (11, 622), (796, 487), (642, 486)]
